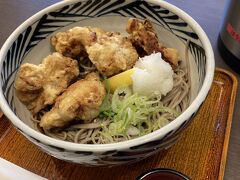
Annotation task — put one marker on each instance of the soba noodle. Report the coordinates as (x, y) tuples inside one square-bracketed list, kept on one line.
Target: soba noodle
[(92, 132)]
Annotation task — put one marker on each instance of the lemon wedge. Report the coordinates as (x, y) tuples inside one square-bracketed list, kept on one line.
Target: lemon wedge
[(121, 79)]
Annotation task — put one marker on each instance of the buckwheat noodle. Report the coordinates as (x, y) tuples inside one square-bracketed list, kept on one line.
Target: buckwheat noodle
[(91, 132)]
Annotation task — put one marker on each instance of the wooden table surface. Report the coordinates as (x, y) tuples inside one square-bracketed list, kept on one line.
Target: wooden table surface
[(207, 13)]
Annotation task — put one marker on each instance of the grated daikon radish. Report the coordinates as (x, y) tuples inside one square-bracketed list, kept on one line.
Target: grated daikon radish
[(152, 75)]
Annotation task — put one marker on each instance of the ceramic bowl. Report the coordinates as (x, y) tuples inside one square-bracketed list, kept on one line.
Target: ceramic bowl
[(162, 173), (30, 43)]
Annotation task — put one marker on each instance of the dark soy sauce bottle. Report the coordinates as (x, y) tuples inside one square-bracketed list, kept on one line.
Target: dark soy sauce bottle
[(229, 38)]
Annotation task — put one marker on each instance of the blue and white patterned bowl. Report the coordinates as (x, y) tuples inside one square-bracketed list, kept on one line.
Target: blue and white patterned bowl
[(30, 43)]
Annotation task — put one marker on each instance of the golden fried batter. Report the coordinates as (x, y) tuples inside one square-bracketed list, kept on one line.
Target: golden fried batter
[(145, 39), (72, 42), (81, 100), (171, 55), (111, 53), (39, 85), (142, 34)]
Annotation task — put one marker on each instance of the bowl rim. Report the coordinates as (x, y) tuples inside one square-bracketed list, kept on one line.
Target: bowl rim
[(210, 66), (150, 172)]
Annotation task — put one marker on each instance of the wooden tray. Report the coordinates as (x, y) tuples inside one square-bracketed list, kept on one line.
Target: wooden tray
[(200, 153)]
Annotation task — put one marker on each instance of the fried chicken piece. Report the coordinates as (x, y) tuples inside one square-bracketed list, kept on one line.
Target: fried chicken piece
[(81, 100), (112, 54), (171, 55), (142, 34), (145, 40), (72, 42), (39, 85)]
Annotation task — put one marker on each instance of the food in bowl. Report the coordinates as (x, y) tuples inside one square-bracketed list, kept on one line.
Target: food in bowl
[(29, 43), (101, 87)]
